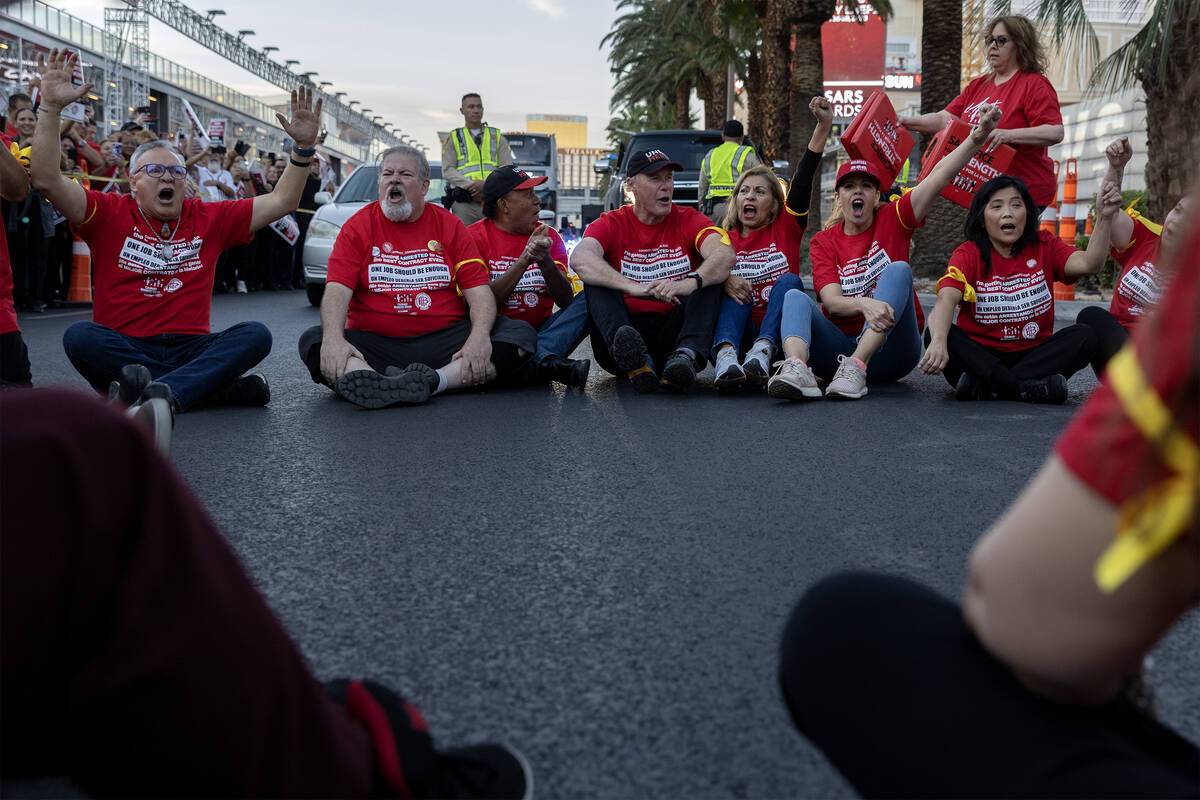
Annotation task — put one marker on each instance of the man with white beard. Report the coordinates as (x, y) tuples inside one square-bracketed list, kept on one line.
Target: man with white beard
[(407, 290)]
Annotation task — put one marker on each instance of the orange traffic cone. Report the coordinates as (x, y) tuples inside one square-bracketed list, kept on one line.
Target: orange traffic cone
[(1049, 221), (1067, 223), (1088, 224), (81, 273)]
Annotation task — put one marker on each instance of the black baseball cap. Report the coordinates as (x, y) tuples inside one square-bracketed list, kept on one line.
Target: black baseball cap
[(651, 161), (733, 129), (503, 180)]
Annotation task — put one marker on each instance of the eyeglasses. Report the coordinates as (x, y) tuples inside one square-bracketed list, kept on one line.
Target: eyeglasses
[(996, 40), (157, 170)]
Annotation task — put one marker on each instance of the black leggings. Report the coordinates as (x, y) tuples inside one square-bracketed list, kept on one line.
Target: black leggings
[(886, 678), (1110, 335), (1066, 352)]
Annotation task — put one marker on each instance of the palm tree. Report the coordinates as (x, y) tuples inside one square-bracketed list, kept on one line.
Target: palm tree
[(644, 59), (1163, 57), (772, 110), (941, 69)]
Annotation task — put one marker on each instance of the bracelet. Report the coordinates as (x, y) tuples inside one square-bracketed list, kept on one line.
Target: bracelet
[(296, 163), (304, 151)]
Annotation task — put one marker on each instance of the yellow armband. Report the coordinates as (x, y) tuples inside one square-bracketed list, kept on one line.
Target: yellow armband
[(955, 274)]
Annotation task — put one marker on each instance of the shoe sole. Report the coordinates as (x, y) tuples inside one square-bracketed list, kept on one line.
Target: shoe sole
[(629, 349), (786, 391), (730, 380), (754, 374), (846, 395), (261, 396), (426, 372), (155, 414), (369, 389), (130, 384), (645, 381), (678, 377), (579, 376)]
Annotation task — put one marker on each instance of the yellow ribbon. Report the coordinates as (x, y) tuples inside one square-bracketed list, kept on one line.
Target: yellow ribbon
[(20, 153), (1154, 227), (955, 274), (1150, 522)]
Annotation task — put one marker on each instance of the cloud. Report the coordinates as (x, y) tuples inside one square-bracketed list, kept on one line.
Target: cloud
[(550, 7)]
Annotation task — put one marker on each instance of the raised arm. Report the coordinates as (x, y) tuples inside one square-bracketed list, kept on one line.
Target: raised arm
[(1092, 260), (927, 191), (64, 194), (303, 127), (799, 192), (1118, 152)]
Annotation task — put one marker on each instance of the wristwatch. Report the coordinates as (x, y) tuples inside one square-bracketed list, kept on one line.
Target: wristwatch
[(699, 280)]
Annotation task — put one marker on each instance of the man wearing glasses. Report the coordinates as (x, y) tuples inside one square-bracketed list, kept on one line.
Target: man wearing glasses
[(154, 256)]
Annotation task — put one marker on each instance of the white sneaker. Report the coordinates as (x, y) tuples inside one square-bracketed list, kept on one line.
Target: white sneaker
[(729, 374), (793, 381), (241, 287), (756, 365), (849, 382), (156, 416)]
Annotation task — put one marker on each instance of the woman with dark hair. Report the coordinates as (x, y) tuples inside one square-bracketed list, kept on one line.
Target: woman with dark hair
[(765, 229), (1034, 687), (1032, 118), (1002, 279)]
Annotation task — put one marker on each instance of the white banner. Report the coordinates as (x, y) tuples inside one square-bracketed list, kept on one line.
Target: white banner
[(196, 126), (216, 131)]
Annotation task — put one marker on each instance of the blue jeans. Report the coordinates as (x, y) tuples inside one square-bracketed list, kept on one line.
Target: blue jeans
[(193, 365), (564, 330), (734, 326), (901, 349)]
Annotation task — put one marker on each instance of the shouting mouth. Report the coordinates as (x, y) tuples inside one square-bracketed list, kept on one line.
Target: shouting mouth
[(1008, 227), (166, 194), (395, 194), (857, 205)]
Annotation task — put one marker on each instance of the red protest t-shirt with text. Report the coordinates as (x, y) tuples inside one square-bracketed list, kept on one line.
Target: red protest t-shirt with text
[(764, 255), (138, 290), (407, 277), (645, 253), (1100, 445), (530, 299), (1026, 100), (854, 262), (1014, 299), (1137, 289)]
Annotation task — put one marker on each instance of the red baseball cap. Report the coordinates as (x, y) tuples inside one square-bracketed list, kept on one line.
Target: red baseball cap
[(857, 167)]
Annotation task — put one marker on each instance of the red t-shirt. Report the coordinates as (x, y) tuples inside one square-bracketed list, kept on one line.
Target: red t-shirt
[(1026, 100), (645, 253), (762, 256), (529, 300), (137, 291), (1137, 289), (407, 277), (1014, 303), (1101, 446), (854, 262)]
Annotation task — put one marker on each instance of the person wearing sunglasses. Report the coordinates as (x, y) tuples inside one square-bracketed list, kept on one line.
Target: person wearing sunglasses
[(1016, 85), (154, 255)]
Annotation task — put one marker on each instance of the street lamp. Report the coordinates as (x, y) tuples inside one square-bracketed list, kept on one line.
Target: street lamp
[(269, 49), (215, 12), (339, 95), (290, 62), (366, 111), (244, 34), (351, 104)]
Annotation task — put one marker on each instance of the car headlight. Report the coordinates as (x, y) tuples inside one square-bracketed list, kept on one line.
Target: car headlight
[(323, 229)]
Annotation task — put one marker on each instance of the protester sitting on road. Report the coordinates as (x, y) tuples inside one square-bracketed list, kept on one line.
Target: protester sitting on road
[(154, 256), (403, 277), (765, 230), (175, 675), (528, 264), (1017, 85), (14, 355), (1137, 245), (1002, 280), (1033, 688), (868, 322), (654, 272)]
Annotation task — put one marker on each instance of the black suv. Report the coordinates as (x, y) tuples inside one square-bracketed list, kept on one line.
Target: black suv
[(686, 147)]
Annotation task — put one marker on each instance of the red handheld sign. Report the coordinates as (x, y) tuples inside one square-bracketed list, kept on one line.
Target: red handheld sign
[(982, 167), (875, 135)]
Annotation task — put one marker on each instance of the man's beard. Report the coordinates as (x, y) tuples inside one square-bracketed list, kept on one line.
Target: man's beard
[(396, 212)]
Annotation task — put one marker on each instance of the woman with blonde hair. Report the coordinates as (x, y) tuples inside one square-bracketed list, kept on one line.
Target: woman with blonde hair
[(765, 229), (1017, 86)]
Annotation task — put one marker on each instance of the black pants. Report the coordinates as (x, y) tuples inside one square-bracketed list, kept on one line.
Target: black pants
[(29, 250), (886, 678), (1110, 335), (14, 361), (513, 345), (689, 324), (1066, 352)]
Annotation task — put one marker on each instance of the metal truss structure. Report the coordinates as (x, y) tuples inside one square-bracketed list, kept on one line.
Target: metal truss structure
[(126, 63)]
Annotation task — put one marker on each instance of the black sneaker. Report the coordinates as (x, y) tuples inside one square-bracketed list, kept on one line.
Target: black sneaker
[(370, 389), (427, 373), (484, 770), (970, 388), (1051, 390), (630, 355), (680, 372), (130, 383), (160, 390), (570, 372), (248, 390)]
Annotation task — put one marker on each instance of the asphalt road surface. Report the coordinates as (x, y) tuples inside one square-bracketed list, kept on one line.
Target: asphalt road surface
[(599, 578)]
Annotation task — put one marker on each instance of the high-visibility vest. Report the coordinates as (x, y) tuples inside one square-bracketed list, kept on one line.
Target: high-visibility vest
[(723, 164), (474, 163)]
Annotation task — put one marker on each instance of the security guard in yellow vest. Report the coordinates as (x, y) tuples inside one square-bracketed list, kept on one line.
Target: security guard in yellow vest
[(468, 155), (720, 170)]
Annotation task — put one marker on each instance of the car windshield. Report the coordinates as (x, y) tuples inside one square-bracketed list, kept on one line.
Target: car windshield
[(530, 150), (363, 185), (687, 149)]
